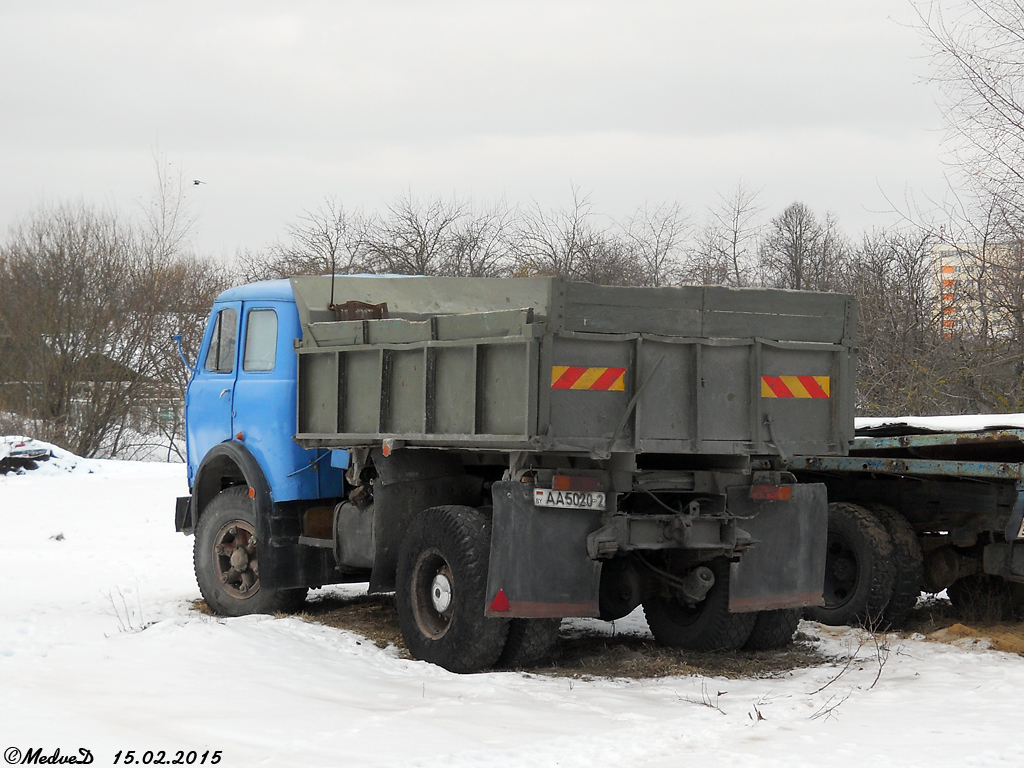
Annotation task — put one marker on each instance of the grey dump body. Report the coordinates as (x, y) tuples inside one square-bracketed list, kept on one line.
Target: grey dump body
[(547, 365), (961, 491)]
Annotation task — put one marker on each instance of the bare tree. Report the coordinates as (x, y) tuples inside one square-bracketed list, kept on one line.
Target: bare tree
[(413, 238), (188, 285), (980, 247), (802, 253), (899, 324), (557, 242), (323, 240), (168, 221), (91, 302), (978, 50), (78, 299), (654, 238), (478, 245), (725, 250)]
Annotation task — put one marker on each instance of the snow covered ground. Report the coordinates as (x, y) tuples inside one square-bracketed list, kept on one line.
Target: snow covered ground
[(100, 650), (967, 423)]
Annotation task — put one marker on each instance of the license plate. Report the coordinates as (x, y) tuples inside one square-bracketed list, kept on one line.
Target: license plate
[(545, 497)]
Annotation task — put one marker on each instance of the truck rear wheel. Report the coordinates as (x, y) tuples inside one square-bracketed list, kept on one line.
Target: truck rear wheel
[(529, 642), (706, 626), (908, 559), (441, 590), (773, 629), (859, 570), (226, 560)]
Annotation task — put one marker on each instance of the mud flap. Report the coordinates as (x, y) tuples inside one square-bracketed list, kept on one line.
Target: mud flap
[(539, 566), (786, 567)]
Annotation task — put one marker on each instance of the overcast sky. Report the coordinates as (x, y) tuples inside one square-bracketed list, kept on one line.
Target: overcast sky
[(277, 105)]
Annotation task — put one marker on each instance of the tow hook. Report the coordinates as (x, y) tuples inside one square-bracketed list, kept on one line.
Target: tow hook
[(697, 583)]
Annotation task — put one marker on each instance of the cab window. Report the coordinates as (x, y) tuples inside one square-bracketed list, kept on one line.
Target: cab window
[(260, 340), (221, 356)]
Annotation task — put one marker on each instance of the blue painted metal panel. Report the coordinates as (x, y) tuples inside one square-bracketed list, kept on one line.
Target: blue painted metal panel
[(264, 411), (267, 290), (208, 399), (994, 437), (923, 467)]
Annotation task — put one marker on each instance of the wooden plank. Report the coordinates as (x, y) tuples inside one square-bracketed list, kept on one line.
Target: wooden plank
[(676, 298), (772, 301), (397, 331), (774, 326), (336, 334), (483, 325), (635, 319)]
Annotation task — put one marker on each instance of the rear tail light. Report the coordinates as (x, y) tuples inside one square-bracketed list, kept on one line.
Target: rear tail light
[(771, 492), (575, 483)]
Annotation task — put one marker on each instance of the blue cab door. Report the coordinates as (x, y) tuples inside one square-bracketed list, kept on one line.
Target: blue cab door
[(265, 404), (209, 400)]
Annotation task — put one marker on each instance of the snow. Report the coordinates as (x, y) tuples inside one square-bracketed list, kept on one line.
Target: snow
[(968, 423), (100, 649)]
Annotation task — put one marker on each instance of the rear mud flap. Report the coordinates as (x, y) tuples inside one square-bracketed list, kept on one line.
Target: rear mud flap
[(539, 566), (786, 567)]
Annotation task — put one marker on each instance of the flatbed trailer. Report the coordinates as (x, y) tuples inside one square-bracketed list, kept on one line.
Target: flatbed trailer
[(946, 496)]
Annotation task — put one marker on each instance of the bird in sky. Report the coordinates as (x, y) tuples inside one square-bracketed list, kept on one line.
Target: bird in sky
[(197, 182)]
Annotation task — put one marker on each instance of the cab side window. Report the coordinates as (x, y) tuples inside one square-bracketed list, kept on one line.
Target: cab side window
[(260, 340), (221, 356)]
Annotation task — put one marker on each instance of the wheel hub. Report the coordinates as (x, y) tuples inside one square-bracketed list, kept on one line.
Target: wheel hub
[(441, 593), (840, 571), (236, 559), (433, 593)]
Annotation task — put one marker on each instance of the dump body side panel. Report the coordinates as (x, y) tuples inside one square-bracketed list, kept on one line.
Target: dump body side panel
[(548, 365)]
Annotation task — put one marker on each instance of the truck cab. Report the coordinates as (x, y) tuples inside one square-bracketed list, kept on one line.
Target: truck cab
[(243, 392), (240, 412)]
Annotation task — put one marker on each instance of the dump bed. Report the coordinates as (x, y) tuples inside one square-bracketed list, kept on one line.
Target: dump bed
[(544, 364)]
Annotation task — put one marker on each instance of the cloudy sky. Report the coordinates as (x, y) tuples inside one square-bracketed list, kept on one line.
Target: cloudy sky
[(277, 105)]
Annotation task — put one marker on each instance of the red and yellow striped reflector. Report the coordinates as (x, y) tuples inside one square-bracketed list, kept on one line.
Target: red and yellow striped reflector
[(814, 387), (581, 377)]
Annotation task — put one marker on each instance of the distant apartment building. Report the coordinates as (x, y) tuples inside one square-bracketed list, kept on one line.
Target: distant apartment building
[(978, 287)]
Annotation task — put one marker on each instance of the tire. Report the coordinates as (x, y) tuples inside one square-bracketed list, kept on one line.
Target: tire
[(529, 642), (773, 629), (226, 560), (859, 569), (908, 560), (441, 590), (706, 626)]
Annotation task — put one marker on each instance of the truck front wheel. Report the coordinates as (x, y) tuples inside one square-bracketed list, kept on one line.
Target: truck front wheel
[(441, 590), (226, 559)]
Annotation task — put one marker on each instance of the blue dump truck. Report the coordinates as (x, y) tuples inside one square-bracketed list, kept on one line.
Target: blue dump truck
[(503, 453)]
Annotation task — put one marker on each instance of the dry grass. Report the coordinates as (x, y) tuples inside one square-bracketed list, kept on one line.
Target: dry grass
[(633, 656), (939, 621), (580, 653), (585, 653)]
